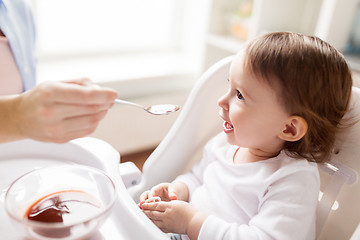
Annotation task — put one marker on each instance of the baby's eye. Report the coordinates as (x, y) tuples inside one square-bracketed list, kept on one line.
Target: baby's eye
[(239, 95)]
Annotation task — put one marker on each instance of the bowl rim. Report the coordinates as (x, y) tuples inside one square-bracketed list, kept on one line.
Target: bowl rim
[(59, 225)]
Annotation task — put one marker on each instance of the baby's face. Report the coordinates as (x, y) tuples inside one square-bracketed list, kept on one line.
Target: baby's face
[(253, 116)]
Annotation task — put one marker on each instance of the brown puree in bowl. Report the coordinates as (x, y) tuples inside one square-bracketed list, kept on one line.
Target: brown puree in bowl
[(68, 207)]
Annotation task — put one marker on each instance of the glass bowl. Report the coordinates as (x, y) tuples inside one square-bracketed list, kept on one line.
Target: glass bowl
[(62, 202)]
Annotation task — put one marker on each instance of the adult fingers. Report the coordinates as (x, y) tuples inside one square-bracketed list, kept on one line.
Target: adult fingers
[(80, 81), (89, 121), (78, 94), (63, 111), (72, 128)]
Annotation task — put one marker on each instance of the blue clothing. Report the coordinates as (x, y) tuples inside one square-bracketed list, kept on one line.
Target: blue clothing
[(17, 23)]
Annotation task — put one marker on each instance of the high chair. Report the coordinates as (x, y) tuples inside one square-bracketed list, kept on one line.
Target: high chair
[(337, 215)]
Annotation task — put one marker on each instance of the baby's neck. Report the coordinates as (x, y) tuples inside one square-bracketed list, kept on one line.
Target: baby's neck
[(246, 155)]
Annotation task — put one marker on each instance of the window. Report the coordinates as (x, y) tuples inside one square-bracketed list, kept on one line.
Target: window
[(352, 50), (92, 27), (353, 44), (113, 40)]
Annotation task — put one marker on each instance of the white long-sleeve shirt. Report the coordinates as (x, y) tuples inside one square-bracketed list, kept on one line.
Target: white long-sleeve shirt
[(270, 199)]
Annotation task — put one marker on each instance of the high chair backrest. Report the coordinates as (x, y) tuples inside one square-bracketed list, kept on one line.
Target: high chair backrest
[(199, 121), (338, 212)]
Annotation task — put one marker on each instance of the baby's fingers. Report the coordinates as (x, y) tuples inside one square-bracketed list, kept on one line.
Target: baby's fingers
[(172, 193), (154, 215), (156, 218), (154, 206), (157, 191), (144, 196)]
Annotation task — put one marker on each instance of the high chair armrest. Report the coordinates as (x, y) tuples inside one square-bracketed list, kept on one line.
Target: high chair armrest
[(130, 174)]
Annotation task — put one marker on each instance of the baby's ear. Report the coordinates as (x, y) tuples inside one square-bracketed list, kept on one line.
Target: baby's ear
[(294, 129)]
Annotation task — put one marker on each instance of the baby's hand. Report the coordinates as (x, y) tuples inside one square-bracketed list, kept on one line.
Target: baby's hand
[(176, 217), (149, 200), (163, 190)]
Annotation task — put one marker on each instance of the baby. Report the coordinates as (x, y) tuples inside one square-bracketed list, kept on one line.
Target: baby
[(258, 179)]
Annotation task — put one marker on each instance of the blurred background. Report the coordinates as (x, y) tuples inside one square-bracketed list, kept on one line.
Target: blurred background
[(153, 51)]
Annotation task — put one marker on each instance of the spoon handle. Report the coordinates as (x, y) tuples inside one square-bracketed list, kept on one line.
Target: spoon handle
[(119, 101)]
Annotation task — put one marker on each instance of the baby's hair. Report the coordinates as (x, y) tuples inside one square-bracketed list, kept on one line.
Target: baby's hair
[(314, 82)]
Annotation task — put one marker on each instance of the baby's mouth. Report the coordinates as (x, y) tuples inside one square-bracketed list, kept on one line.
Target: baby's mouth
[(227, 127)]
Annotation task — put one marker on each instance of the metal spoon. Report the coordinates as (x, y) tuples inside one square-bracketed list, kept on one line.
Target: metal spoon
[(161, 109)]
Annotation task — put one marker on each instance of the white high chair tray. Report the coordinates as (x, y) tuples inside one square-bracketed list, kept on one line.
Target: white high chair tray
[(16, 158)]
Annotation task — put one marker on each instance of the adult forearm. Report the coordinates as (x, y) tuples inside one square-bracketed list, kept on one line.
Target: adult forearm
[(9, 130)]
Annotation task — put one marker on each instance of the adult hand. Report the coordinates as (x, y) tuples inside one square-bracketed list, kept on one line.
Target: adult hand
[(60, 111)]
